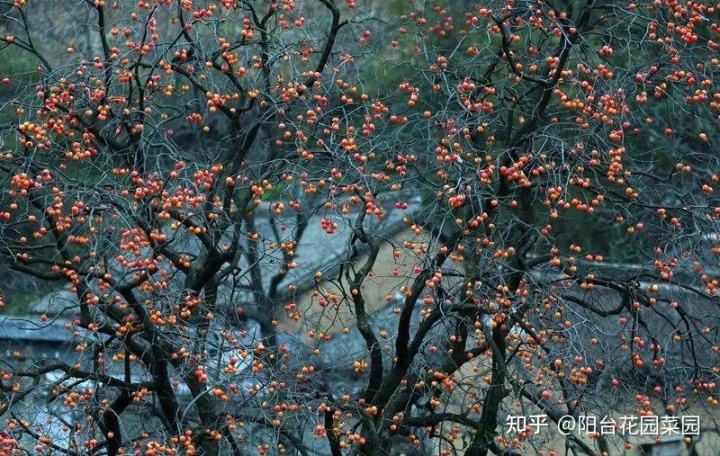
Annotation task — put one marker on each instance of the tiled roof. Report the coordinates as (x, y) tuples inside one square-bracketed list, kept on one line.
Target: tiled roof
[(32, 329)]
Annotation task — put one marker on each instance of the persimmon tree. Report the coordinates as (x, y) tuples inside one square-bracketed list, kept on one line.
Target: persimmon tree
[(548, 165)]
